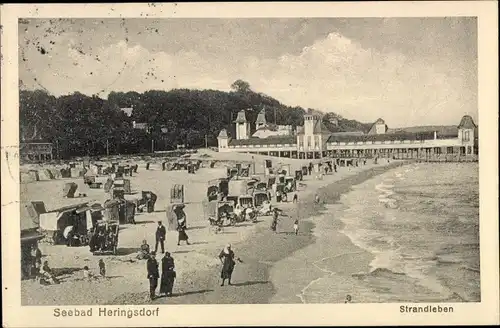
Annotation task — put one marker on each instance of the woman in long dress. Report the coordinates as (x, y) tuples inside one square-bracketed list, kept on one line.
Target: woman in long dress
[(181, 228), (168, 275), (227, 259)]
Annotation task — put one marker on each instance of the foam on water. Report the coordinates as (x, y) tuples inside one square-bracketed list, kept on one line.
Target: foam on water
[(420, 222)]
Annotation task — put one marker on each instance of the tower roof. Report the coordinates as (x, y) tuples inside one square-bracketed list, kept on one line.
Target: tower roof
[(241, 118), (222, 134), (261, 118), (467, 123)]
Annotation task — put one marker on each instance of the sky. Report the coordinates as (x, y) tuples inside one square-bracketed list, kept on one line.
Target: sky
[(408, 71)]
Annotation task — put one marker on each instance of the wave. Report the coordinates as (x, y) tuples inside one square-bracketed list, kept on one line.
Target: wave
[(378, 272)]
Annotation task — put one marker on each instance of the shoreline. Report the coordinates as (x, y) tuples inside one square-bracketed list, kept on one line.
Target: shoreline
[(198, 266), (264, 250)]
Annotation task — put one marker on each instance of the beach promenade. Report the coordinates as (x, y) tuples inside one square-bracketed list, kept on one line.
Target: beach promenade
[(197, 265)]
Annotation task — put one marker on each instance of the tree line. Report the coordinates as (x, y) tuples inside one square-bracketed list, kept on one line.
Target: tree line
[(81, 125)]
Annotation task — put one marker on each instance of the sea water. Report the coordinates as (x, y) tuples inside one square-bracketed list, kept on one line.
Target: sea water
[(419, 222)]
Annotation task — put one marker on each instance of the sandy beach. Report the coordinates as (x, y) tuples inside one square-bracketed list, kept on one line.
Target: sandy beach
[(198, 268)]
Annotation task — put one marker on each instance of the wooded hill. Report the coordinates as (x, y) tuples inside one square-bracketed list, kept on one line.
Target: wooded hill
[(83, 126)]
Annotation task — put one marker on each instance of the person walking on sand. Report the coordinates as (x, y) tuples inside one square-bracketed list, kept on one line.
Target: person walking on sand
[(316, 199), (182, 235), (274, 223), (295, 197), (296, 227), (227, 259), (161, 232), (168, 275), (153, 275), (102, 268), (348, 299)]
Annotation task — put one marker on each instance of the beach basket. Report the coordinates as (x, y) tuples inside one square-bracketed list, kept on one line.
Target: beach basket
[(69, 189)]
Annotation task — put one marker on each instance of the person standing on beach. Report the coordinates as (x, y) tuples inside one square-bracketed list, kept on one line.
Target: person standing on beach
[(182, 234), (316, 199), (102, 268), (153, 275), (274, 223), (227, 259), (295, 197), (296, 227), (168, 275), (161, 232)]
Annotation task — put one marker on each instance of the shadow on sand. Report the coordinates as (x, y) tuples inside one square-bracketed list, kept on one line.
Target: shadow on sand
[(250, 283), (126, 251), (180, 252), (196, 228), (203, 291), (199, 243), (64, 271), (144, 222)]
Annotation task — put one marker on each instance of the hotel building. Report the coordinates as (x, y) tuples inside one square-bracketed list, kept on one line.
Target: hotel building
[(314, 141)]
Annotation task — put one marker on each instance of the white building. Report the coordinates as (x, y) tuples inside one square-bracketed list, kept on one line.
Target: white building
[(313, 140)]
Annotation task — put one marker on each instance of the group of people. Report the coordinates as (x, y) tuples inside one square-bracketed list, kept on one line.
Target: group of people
[(168, 275), (38, 271), (161, 234), (103, 239), (274, 222), (88, 275)]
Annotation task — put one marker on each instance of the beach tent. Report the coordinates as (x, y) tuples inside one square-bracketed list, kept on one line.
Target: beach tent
[(65, 172), (286, 168), (108, 185), (54, 223), (55, 173), (45, 175), (117, 193), (111, 210), (77, 172), (237, 187), (177, 194), (175, 213), (126, 211), (93, 213), (34, 175), (149, 198), (69, 189)]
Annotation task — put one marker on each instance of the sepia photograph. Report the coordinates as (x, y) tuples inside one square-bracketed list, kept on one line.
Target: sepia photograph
[(246, 160)]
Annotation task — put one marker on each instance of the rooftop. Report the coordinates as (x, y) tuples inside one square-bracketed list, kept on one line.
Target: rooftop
[(467, 123), (241, 118), (442, 130), (271, 140), (395, 136), (128, 111)]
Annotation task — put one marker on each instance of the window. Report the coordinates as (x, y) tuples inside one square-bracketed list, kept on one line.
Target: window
[(437, 150), (316, 140), (469, 150), (466, 136), (449, 150), (462, 150), (301, 141)]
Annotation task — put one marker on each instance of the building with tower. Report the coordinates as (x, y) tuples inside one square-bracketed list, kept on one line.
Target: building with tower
[(313, 140)]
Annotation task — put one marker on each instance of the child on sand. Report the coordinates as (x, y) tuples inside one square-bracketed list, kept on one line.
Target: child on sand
[(296, 226), (87, 274)]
